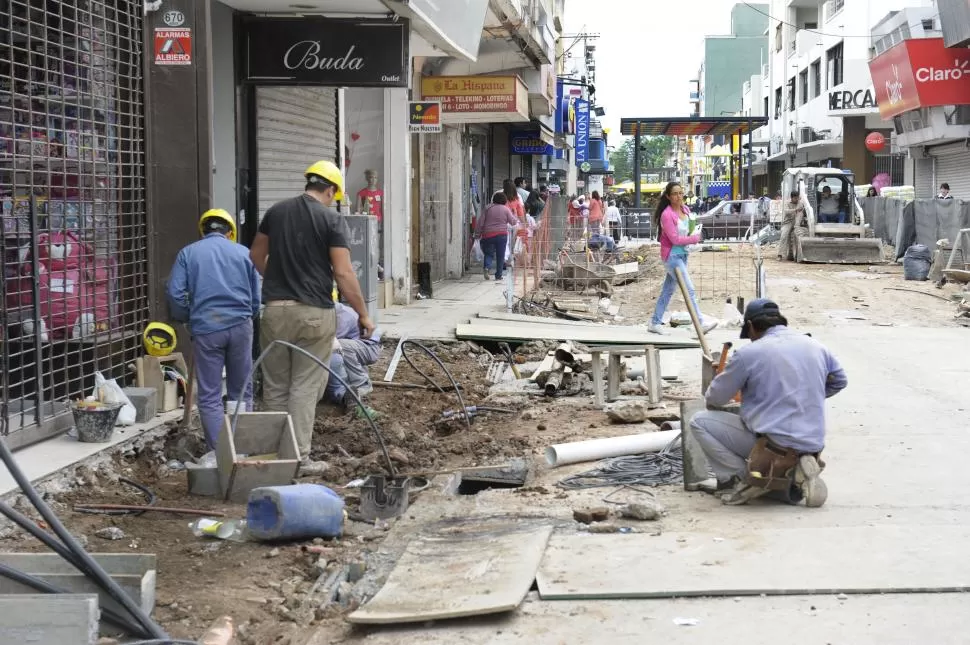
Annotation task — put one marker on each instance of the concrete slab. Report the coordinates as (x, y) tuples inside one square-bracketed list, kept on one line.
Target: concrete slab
[(461, 567), (135, 573), (941, 619), (48, 457), (46, 619), (884, 559)]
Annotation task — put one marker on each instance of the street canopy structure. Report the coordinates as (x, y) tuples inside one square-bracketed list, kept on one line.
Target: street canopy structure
[(689, 127)]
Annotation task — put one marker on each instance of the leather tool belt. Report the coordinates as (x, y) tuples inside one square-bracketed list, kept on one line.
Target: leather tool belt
[(772, 467)]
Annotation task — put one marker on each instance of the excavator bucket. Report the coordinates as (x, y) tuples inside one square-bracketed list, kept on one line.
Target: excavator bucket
[(834, 250)]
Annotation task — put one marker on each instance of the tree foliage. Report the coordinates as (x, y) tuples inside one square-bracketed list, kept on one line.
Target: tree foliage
[(654, 152)]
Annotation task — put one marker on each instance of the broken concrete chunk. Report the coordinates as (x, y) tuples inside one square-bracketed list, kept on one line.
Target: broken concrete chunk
[(590, 515), (645, 512), (628, 412)]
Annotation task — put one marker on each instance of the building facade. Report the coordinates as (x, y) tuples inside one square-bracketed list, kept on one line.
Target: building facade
[(817, 92), (730, 60), (923, 89)]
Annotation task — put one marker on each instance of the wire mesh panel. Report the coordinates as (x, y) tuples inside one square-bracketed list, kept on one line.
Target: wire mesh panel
[(72, 184)]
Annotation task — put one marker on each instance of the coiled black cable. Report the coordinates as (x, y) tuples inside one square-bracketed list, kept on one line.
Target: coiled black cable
[(434, 357), (150, 500), (650, 469)]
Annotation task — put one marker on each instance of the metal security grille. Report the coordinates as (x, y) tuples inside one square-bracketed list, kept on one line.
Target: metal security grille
[(892, 165), (925, 169), (72, 182)]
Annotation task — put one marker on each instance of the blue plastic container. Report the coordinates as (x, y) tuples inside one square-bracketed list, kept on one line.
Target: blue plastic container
[(296, 512)]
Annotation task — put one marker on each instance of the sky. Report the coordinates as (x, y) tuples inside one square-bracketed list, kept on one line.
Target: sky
[(646, 53)]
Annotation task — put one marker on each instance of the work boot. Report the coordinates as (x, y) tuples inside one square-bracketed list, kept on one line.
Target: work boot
[(311, 468), (741, 494), (807, 478)]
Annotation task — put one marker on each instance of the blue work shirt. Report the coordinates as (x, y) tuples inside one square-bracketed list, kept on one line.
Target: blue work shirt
[(784, 378), (214, 285)]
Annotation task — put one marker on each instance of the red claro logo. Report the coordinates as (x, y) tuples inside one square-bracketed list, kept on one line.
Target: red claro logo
[(959, 71)]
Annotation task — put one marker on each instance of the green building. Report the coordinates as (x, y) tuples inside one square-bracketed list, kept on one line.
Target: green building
[(730, 61)]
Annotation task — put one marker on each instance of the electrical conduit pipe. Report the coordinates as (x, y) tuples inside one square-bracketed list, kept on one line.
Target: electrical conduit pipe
[(563, 454)]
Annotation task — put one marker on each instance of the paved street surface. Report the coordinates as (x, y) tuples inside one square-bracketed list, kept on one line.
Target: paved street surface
[(897, 454)]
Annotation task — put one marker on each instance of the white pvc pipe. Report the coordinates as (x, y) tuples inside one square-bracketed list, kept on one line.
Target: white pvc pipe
[(563, 454), (670, 425)]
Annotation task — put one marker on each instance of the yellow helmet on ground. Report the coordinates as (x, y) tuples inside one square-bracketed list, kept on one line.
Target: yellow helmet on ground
[(329, 173), (217, 220), (159, 339)]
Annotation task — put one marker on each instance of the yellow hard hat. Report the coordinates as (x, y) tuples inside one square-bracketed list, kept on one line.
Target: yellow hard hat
[(221, 216), (328, 171), (159, 339)]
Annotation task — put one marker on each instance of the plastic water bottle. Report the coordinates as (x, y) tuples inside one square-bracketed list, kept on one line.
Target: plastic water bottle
[(296, 512)]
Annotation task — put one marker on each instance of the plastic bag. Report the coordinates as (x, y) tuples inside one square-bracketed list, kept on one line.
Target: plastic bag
[(693, 248), (477, 254), (108, 391), (517, 250)]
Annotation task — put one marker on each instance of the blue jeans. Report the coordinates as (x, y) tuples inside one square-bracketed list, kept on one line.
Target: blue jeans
[(231, 349), (495, 246), (673, 262), (834, 218)]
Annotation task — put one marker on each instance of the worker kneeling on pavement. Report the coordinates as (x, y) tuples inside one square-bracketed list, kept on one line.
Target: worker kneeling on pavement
[(774, 445), (351, 357), (214, 287)]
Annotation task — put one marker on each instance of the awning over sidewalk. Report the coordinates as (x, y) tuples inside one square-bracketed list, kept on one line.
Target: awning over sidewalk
[(691, 126)]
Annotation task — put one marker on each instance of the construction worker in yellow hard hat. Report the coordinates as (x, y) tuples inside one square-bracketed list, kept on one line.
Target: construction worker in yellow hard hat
[(218, 220), (327, 175), (214, 287), (302, 249)]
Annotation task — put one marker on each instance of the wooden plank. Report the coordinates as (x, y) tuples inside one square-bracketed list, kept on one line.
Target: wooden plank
[(607, 335), (46, 619), (468, 566), (869, 559)]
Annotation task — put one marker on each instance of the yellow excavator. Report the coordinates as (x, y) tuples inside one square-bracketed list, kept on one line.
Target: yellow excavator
[(839, 234)]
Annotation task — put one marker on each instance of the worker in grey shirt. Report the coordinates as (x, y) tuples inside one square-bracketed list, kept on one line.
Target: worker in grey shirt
[(784, 378)]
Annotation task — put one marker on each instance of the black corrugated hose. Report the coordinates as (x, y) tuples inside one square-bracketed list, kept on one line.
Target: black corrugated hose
[(434, 357)]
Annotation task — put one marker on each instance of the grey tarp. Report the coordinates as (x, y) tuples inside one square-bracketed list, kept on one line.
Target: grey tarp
[(883, 215), (925, 221)]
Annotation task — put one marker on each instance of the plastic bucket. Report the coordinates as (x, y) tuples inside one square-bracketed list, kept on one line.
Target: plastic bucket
[(95, 424)]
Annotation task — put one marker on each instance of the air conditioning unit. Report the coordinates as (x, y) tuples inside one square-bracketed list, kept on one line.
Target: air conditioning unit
[(806, 135)]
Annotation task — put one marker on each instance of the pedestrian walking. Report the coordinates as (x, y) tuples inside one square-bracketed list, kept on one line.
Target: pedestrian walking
[(492, 229), (597, 213), (214, 288), (792, 218), (613, 221), (301, 249), (672, 220)]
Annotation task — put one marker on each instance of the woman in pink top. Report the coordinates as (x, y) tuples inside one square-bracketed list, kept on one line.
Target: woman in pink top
[(672, 220), (492, 229)]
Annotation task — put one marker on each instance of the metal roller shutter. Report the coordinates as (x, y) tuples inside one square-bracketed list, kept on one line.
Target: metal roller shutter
[(295, 126), (924, 180), (953, 167)]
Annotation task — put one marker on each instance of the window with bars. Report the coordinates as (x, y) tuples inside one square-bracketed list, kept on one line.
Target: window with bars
[(72, 187), (816, 78), (790, 98), (803, 85)]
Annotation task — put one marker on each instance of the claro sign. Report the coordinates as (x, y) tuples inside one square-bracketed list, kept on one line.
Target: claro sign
[(920, 73)]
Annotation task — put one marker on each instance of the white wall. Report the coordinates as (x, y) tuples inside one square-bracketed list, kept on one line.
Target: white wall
[(364, 125), (223, 110), (397, 194)]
